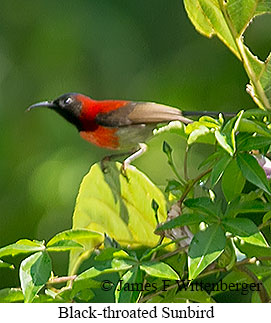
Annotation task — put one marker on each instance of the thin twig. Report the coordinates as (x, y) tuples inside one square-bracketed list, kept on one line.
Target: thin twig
[(169, 254), (59, 280), (262, 291), (191, 184), (185, 163), (152, 258), (265, 224), (172, 165)]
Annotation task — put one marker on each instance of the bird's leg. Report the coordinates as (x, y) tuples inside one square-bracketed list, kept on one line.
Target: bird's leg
[(142, 149), (134, 154), (110, 157)]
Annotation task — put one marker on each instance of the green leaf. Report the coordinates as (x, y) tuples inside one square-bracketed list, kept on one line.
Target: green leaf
[(222, 140), (198, 17), (181, 220), (255, 206), (228, 20), (214, 22), (85, 295), (210, 122), (255, 297), (254, 127), (260, 270), (265, 78), (235, 129), (240, 206), (267, 217), (204, 205), (155, 208), (64, 245), (159, 269), (205, 247), (175, 127), (257, 114), (110, 253), (147, 254), (75, 235), (110, 242), (22, 246), (201, 131), (129, 294), (231, 128), (228, 257), (174, 189), (34, 274), (5, 265), (252, 171), (231, 172), (11, 295), (219, 169), (74, 239), (225, 19), (245, 229), (77, 287), (210, 160), (254, 143), (236, 277), (241, 12), (263, 6), (119, 206), (111, 266), (167, 150), (252, 250)]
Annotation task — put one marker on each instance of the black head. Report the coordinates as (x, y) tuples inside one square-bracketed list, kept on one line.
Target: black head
[(67, 105)]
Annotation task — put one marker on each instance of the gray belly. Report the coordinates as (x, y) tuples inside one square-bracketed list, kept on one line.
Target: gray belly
[(131, 136)]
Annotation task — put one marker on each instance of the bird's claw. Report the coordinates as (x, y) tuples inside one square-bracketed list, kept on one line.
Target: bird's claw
[(123, 170), (103, 166)]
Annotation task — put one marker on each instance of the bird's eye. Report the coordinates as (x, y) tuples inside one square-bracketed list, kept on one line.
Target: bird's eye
[(68, 101)]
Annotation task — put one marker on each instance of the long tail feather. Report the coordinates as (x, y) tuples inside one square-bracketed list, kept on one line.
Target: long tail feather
[(207, 113)]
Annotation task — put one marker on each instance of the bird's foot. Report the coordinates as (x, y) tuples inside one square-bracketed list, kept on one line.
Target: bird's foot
[(123, 169), (105, 160)]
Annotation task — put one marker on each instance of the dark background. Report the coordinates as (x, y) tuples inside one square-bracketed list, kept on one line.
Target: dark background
[(121, 49)]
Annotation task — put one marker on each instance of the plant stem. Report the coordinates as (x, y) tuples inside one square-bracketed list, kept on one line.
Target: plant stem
[(252, 76), (262, 291), (152, 258), (59, 280), (171, 164), (265, 224), (191, 184), (170, 254), (185, 168)]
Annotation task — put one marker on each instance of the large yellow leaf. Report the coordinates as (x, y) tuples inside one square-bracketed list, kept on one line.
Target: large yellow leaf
[(117, 205)]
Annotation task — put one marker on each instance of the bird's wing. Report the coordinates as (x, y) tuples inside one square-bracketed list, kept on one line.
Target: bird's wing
[(140, 113)]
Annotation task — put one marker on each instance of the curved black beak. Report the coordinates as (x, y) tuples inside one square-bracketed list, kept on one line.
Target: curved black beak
[(44, 104)]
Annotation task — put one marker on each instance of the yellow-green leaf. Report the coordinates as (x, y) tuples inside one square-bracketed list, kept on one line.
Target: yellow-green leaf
[(108, 202)]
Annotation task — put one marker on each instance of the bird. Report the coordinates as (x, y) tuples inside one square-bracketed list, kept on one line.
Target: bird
[(114, 124)]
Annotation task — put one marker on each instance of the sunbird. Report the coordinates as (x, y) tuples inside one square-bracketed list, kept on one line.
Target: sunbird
[(115, 124)]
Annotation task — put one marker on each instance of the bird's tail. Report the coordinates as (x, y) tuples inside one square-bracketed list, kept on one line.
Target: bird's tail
[(206, 113)]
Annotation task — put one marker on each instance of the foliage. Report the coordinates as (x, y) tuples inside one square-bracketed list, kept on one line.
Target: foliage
[(226, 207)]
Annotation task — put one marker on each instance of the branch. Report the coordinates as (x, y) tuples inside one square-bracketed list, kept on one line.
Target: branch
[(262, 291), (60, 280)]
